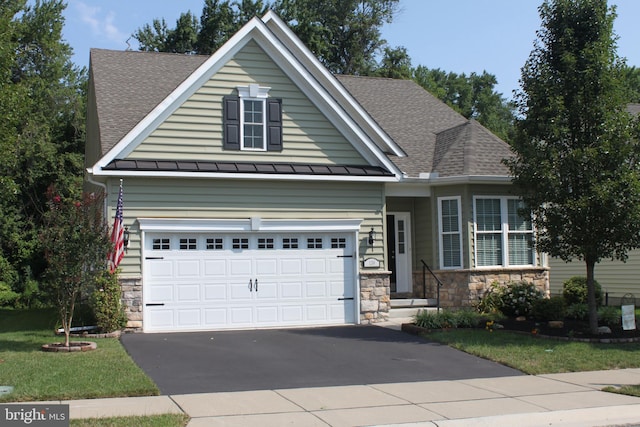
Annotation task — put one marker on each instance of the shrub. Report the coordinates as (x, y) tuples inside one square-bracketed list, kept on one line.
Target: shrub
[(491, 300), (574, 291), (8, 298), (464, 318), (549, 309), (517, 298), (578, 311), (106, 303), (429, 319), (609, 316)]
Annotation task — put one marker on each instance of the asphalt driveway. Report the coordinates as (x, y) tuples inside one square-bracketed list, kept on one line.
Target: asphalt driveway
[(201, 362)]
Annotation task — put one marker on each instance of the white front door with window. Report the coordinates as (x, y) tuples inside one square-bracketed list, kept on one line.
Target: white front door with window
[(247, 280), (399, 250)]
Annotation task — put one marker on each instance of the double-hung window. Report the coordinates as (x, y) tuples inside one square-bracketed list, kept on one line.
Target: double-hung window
[(252, 121), (253, 124), (450, 231), (503, 237)]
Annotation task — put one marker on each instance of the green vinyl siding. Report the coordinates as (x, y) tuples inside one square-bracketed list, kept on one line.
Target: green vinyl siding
[(194, 130), (242, 199), (616, 277)]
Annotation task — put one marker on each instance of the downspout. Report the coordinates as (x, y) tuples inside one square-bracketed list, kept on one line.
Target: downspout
[(101, 185)]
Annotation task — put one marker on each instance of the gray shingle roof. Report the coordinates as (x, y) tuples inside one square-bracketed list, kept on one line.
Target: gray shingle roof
[(634, 109), (435, 137), (128, 85)]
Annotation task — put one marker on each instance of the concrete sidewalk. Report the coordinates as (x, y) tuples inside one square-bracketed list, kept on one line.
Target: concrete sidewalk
[(572, 399)]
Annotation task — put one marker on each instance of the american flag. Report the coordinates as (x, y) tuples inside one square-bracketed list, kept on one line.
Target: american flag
[(117, 236)]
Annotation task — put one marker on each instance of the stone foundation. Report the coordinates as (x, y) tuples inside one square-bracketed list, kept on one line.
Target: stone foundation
[(375, 300), (132, 302), (464, 288)]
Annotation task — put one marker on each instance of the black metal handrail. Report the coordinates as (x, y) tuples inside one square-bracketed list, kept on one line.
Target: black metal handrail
[(424, 283)]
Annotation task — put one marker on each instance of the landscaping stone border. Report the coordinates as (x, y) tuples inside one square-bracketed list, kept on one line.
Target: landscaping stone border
[(74, 346)]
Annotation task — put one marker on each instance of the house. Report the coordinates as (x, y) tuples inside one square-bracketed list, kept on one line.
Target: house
[(260, 190), (617, 278)]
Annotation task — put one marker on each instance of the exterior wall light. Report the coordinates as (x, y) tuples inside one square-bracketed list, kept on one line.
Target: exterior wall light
[(125, 238), (372, 237)]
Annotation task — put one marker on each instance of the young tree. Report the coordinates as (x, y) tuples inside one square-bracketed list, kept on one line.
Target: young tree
[(76, 243), (576, 154)]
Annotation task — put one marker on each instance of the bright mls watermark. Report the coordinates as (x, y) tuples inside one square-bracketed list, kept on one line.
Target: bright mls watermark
[(34, 415)]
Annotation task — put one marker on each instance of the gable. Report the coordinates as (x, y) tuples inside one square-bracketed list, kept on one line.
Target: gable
[(195, 130)]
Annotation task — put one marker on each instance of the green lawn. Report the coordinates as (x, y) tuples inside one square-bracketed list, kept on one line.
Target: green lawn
[(536, 356), (169, 420), (107, 371)]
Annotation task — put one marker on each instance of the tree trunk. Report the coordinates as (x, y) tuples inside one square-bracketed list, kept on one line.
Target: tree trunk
[(591, 296)]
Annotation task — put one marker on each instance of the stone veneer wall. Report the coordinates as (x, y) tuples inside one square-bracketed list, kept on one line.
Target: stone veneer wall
[(464, 288), (132, 302), (375, 296)]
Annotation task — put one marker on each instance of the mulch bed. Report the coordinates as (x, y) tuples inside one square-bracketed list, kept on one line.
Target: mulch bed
[(572, 330)]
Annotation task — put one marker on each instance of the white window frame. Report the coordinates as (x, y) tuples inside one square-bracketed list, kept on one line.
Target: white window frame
[(504, 233), (442, 233), (253, 92)]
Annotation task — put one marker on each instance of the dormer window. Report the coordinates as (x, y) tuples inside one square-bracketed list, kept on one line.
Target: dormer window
[(252, 120)]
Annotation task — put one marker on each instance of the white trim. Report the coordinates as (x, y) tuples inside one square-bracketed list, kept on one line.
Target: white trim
[(504, 233), (192, 225), (441, 232)]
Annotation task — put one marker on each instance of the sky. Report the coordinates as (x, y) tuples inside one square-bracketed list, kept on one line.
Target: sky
[(460, 36)]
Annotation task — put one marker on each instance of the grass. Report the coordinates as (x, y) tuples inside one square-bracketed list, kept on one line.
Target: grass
[(35, 375), (168, 420), (537, 356)]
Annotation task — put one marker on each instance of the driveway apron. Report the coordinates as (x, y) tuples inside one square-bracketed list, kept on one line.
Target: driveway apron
[(223, 361)]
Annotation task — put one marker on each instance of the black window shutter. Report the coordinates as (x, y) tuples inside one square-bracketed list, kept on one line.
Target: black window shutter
[(231, 123), (274, 124)]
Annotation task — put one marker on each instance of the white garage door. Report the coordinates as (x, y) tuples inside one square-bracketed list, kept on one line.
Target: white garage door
[(206, 282)]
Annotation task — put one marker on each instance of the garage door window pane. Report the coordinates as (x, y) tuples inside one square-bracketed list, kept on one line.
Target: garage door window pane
[(161, 244), (239, 243), (339, 242), (215, 244), (188, 244), (289, 243), (314, 243), (265, 243)]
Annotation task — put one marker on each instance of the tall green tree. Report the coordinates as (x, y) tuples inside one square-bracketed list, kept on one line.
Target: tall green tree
[(345, 35), (220, 19), (577, 150), (395, 64), (632, 81), (42, 126), (473, 96)]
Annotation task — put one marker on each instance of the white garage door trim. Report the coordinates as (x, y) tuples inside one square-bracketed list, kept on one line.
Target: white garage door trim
[(252, 228)]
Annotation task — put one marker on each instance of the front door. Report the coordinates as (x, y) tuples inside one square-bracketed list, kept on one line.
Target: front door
[(399, 250)]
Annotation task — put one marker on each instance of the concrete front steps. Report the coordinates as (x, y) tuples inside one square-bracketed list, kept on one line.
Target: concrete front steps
[(409, 307)]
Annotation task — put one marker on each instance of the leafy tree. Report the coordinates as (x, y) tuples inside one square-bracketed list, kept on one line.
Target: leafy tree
[(576, 149), (345, 35), (76, 243), (395, 64), (220, 19), (473, 96), (632, 81), (41, 131)]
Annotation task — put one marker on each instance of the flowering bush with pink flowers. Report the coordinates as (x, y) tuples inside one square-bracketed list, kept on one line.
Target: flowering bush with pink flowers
[(76, 243)]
